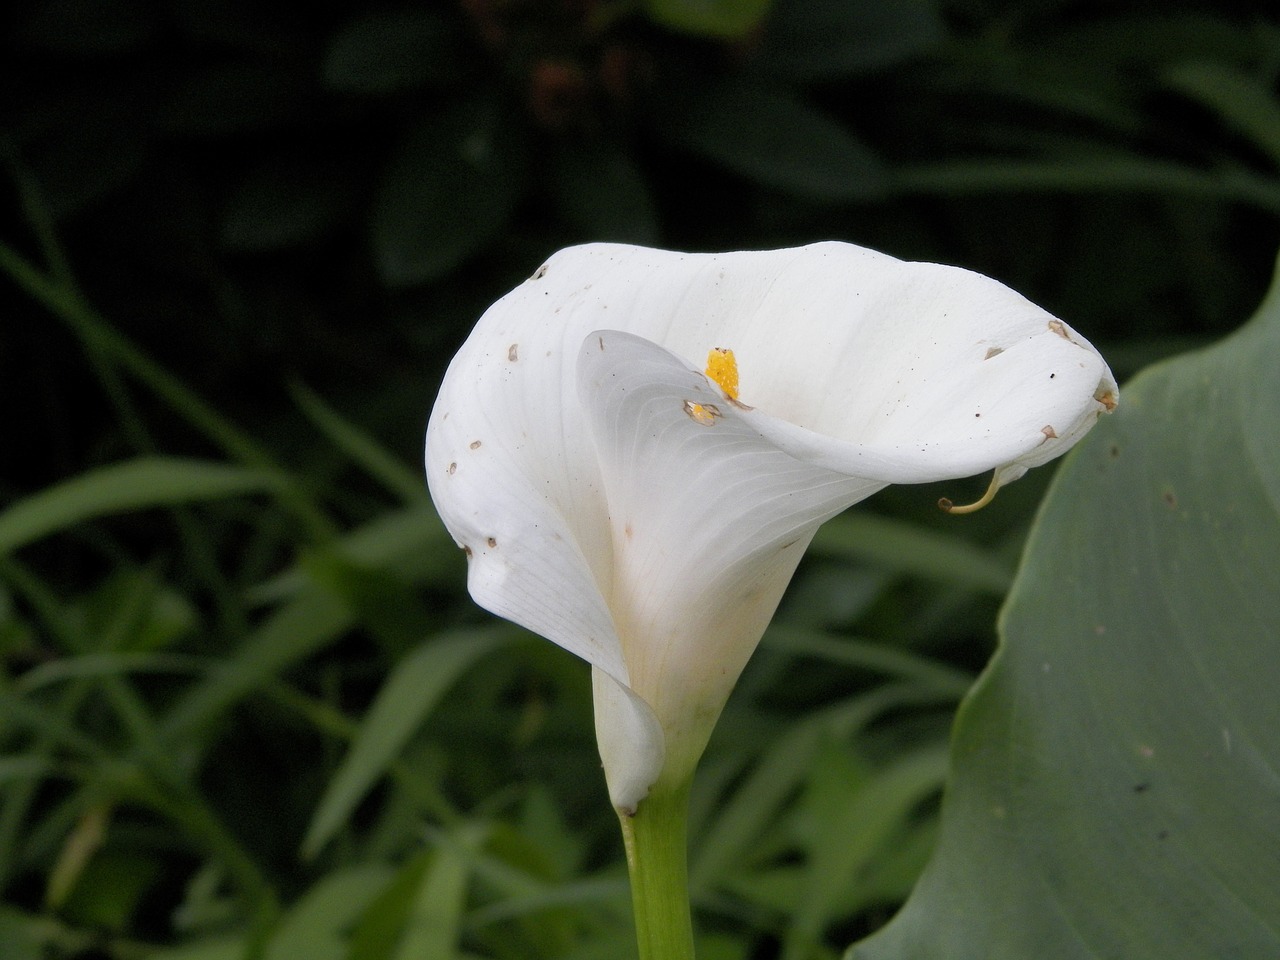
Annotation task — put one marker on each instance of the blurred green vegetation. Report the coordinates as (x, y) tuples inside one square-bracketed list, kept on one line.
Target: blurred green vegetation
[(246, 708)]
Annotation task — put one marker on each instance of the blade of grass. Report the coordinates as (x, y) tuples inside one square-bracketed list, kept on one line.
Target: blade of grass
[(410, 693), (864, 655), (434, 925), (910, 548), (307, 623), (361, 448), (411, 537), (98, 337), (744, 817), (122, 487), (848, 833)]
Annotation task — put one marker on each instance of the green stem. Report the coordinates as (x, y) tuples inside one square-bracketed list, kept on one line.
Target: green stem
[(656, 840)]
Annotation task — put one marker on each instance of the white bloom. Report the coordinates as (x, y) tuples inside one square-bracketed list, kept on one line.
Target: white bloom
[(615, 499)]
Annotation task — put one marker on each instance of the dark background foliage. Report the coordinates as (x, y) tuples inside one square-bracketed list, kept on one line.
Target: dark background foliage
[(335, 191), (288, 205)]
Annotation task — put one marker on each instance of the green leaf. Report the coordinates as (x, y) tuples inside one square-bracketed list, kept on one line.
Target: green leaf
[(1244, 103), (392, 50), (449, 189), (414, 688), (823, 39), (1116, 771), (434, 924), (601, 191), (780, 141), (119, 488), (712, 18), (316, 926)]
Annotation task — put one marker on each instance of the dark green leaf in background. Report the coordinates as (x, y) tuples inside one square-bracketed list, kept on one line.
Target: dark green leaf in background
[(712, 18), (775, 138), (393, 50), (1244, 103), (821, 39), (603, 193), (1116, 774), (449, 188), (282, 203)]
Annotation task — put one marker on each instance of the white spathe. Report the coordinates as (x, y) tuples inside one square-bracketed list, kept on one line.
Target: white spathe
[(613, 499)]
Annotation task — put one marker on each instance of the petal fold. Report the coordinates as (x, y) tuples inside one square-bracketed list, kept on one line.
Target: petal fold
[(708, 519), (615, 500)]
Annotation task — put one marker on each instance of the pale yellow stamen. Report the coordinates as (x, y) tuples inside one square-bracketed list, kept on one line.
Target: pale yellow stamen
[(948, 507), (703, 413), (723, 369)]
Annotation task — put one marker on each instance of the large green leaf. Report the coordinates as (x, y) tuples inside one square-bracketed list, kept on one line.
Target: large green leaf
[(1116, 773)]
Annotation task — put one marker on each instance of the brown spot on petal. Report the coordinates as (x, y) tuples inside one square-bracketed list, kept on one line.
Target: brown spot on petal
[(1049, 433), (1106, 397), (993, 352), (513, 352), (467, 551), (628, 531), (492, 541), (453, 468), (1060, 328), (475, 444), (539, 273)]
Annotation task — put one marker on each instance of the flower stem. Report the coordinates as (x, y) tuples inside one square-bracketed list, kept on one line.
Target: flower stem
[(656, 838)]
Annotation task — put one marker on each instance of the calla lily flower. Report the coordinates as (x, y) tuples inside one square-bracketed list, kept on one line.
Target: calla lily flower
[(627, 487)]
